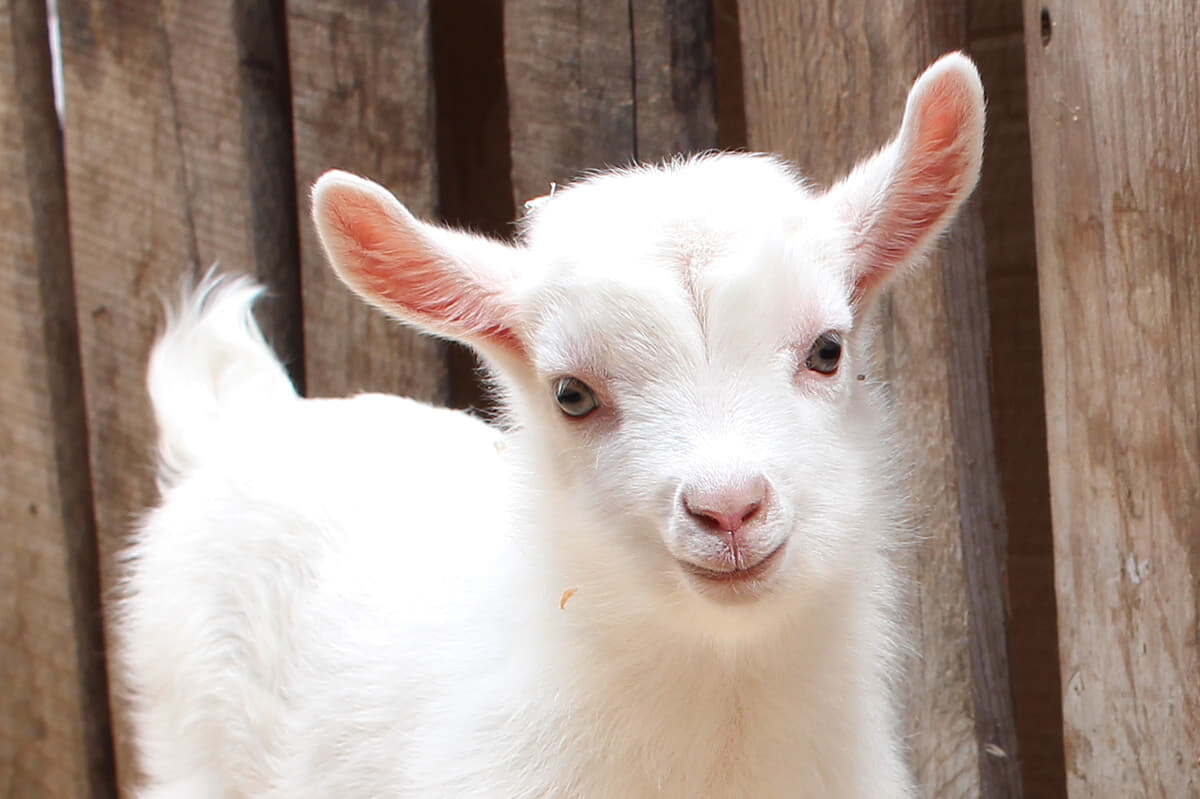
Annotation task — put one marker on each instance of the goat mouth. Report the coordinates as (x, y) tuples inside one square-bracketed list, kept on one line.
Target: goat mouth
[(737, 578)]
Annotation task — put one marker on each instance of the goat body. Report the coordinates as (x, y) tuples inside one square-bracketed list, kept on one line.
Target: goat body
[(669, 573)]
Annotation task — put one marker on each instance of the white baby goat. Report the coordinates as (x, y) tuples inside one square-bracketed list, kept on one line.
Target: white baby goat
[(668, 576)]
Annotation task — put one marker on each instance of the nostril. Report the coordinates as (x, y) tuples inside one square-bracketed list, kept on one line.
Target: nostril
[(728, 508), (706, 518)]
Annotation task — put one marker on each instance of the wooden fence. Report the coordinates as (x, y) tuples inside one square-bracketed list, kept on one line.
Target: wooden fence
[(1057, 611)]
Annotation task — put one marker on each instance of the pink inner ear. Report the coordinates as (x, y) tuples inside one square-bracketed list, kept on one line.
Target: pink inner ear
[(928, 186), (385, 257)]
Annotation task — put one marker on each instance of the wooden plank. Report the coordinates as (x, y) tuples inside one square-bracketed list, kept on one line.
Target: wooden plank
[(825, 85), (54, 734), (601, 84), (362, 98), (1005, 194), (570, 90), (1114, 108), (674, 77), (170, 167)]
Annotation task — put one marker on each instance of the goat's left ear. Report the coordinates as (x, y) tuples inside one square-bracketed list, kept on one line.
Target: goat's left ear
[(897, 203), (446, 282)]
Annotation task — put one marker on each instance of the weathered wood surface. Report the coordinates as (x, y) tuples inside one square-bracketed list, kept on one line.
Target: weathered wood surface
[(1005, 201), (170, 158), (825, 86), (54, 724), (362, 98), (570, 90), (602, 84), (1114, 93), (674, 75)]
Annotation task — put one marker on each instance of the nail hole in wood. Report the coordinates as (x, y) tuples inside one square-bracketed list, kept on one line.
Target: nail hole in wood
[(1047, 27)]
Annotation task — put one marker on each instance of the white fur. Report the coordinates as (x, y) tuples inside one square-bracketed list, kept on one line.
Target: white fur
[(370, 597)]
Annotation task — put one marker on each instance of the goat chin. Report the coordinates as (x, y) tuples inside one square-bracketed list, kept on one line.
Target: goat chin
[(666, 571)]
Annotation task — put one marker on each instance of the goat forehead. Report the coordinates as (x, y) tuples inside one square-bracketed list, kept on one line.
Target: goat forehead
[(716, 258), (705, 200), (690, 301), (718, 230), (667, 325)]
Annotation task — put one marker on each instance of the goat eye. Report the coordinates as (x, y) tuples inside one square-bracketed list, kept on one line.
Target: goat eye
[(575, 397), (825, 353)]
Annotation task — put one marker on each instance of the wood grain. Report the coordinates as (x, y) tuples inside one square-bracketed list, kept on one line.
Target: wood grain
[(674, 74), (570, 90), (170, 169), (825, 85), (1114, 93), (54, 721), (362, 98), (997, 43), (597, 84)]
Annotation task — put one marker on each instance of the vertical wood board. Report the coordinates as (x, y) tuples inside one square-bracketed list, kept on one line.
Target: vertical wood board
[(997, 43), (362, 99), (165, 169), (825, 86), (594, 85), (54, 733), (674, 75), (1114, 94), (570, 90)]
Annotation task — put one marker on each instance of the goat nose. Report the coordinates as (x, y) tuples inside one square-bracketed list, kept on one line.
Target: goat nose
[(728, 507)]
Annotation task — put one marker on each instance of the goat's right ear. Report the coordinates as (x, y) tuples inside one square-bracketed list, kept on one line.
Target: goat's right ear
[(897, 203), (445, 282)]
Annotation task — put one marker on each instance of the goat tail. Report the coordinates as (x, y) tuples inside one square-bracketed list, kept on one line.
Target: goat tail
[(210, 359)]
